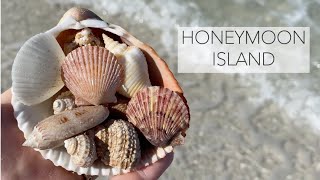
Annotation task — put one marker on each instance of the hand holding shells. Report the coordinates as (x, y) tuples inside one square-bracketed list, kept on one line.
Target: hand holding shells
[(78, 71)]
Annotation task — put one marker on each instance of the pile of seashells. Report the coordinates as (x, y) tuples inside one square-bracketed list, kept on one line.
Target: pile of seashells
[(105, 108)]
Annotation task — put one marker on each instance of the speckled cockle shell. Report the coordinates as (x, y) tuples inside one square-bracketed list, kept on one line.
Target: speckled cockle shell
[(82, 149), (93, 74), (123, 144), (159, 113)]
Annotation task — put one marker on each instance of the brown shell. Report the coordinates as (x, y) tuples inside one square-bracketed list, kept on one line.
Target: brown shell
[(52, 131), (92, 73), (160, 114), (118, 109), (123, 144)]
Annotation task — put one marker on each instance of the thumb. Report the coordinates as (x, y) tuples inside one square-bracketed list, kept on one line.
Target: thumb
[(154, 171)]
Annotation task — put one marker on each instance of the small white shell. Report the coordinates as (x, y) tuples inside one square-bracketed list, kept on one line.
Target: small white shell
[(82, 149), (36, 74), (65, 101)]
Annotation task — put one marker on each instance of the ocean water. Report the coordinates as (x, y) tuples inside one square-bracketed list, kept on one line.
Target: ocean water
[(243, 126)]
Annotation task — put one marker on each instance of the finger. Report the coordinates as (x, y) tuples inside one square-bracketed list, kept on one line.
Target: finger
[(6, 97), (151, 172)]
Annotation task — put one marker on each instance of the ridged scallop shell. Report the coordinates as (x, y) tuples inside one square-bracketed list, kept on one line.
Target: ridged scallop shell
[(36, 74), (52, 131), (136, 74), (65, 101), (123, 144), (82, 149), (93, 74), (159, 113)]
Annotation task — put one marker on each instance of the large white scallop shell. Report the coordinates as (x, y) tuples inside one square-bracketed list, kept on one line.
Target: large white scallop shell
[(36, 74)]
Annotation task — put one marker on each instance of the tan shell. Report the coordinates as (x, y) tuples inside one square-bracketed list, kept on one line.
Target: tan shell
[(52, 131), (65, 101), (93, 74), (122, 142), (160, 114), (82, 149), (136, 74), (123, 145)]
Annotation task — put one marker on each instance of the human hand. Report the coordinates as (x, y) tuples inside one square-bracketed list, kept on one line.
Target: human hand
[(19, 162)]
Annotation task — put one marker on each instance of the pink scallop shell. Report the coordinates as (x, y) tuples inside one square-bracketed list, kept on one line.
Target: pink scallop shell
[(93, 74), (159, 113)]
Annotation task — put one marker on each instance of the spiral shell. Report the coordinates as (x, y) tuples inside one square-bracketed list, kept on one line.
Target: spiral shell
[(65, 101), (160, 114), (82, 149), (136, 74), (52, 131), (114, 46), (93, 74)]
